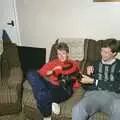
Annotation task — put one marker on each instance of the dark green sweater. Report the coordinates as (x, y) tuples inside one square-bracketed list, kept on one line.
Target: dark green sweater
[(107, 75)]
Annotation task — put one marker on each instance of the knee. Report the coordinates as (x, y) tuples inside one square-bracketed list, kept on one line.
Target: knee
[(115, 107), (79, 109), (31, 74)]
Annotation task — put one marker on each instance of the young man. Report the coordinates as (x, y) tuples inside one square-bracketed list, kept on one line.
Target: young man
[(47, 88), (103, 92)]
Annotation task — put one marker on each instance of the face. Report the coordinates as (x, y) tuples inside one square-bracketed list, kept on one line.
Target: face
[(62, 55), (107, 54)]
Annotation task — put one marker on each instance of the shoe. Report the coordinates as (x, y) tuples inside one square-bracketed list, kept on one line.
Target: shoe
[(47, 118), (55, 108)]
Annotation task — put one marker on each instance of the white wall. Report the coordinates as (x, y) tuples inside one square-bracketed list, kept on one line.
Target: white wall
[(43, 21)]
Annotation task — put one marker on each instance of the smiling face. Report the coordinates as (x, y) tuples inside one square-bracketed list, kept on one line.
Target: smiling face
[(107, 54), (62, 55)]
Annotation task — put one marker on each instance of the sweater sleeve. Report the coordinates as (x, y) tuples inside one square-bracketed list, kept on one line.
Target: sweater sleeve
[(45, 68)]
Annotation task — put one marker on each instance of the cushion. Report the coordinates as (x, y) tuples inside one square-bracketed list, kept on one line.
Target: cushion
[(74, 43), (1, 47), (8, 96), (26, 85), (92, 50), (28, 99)]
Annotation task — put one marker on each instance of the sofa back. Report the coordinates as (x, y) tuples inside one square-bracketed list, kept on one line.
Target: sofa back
[(92, 50), (9, 59)]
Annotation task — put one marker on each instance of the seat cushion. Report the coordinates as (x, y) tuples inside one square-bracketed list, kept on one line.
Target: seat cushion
[(74, 43), (9, 101), (29, 102)]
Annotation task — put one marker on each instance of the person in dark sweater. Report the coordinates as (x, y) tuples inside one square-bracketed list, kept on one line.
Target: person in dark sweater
[(103, 86), (47, 88)]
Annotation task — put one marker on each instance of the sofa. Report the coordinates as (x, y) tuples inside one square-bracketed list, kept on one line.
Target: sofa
[(86, 51), (10, 79)]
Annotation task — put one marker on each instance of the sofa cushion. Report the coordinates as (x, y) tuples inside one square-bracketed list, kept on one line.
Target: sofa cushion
[(16, 77), (92, 49), (74, 43), (28, 99), (1, 47), (26, 85), (11, 80), (9, 59), (9, 101)]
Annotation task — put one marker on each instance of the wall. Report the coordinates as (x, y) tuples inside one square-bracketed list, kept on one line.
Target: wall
[(43, 21)]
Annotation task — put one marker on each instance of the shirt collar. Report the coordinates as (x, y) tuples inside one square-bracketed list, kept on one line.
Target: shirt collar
[(108, 62)]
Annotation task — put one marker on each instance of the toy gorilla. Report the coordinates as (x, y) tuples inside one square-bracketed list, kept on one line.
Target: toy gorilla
[(69, 79)]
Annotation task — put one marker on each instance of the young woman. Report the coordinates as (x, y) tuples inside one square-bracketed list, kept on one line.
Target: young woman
[(48, 87)]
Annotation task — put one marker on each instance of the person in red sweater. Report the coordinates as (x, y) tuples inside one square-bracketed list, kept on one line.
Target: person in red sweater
[(46, 85)]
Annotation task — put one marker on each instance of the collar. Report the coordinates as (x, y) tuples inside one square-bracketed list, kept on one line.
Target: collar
[(108, 62)]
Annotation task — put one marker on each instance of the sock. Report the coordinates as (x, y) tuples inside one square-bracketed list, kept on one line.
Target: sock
[(55, 108), (47, 118)]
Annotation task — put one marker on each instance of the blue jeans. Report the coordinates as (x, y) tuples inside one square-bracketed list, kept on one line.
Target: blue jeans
[(45, 93)]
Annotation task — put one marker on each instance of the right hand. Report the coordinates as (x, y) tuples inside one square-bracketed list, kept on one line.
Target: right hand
[(90, 70), (57, 67), (87, 80), (50, 72)]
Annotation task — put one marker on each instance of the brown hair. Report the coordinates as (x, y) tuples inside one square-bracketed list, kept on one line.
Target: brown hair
[(63, 46), (113, 44)]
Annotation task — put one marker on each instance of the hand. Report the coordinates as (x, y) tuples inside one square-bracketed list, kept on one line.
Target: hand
[(64, 81), (57, 67), (58, 70), (87, 80), (90, 70)]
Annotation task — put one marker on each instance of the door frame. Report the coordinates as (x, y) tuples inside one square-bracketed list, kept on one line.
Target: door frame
[(17, 23)]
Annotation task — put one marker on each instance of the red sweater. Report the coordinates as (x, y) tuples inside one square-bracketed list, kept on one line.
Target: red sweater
[(53, 78)]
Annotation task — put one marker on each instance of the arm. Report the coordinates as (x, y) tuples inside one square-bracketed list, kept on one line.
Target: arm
[(50, 68), (46, 69), (87, 80)]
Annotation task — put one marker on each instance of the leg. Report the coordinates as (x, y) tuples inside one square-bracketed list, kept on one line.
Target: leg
[(112, 107), (37, 82), (41, 91), (86, 107), (115, 110), (60, 94)]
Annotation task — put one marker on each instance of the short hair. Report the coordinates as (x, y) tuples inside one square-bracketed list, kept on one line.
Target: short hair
[(63, 46), (113, 44)]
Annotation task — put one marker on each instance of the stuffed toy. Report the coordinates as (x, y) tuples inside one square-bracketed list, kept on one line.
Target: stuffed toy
[(68, 79)]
